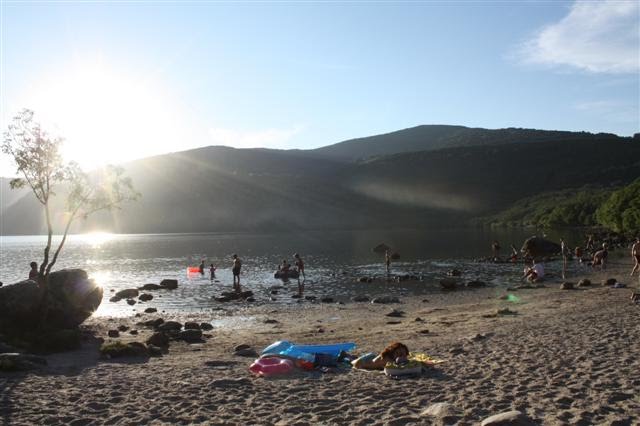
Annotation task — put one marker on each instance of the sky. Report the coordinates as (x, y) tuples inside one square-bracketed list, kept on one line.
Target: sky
[(125, 80)]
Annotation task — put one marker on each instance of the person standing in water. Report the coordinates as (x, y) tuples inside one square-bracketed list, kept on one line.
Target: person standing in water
[(201, 267), (635, 255), (237, 264), (564, 250), (300, 268), (299, 264), (212, 272), (495, 248), (387, 261)]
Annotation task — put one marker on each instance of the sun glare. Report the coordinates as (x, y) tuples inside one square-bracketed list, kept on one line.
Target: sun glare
[(106, 114), (96, 239)]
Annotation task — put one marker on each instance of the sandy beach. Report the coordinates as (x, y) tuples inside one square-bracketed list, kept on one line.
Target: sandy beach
[(562, 357)]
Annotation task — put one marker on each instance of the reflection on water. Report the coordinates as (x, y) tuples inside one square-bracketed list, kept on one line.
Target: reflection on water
[(334, 261)]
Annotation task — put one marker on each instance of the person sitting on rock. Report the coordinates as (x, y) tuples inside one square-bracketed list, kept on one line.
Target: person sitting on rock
[(33, 273)]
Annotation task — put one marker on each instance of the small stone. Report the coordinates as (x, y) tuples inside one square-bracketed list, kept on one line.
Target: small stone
[(131, 302), (133, 332), (445, 412), (150, 310), (191, 326), (566, 286), (115, 299), (246, 352), (145, 297), (584, 283), (154, 350), (123, 328), (152, 323), (158, 339), (20, 362), (170, 326), (113, 333), (128, 293), (190, 336), (418, 319), (250, 299), (385, 300), (310, 298), (295, 296), (206, 326), (270, 321), (395, 314), (169, 284), (425, 331), (150, 287), (610, 282), (509, 418)]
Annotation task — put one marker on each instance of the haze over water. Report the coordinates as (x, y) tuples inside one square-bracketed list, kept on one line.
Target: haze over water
[(333, 260)]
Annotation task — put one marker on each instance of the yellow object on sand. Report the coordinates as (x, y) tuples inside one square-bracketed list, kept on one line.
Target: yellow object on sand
[(424, 358)]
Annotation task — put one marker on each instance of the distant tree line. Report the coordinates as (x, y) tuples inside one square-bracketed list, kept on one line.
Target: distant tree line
[(615, 208)]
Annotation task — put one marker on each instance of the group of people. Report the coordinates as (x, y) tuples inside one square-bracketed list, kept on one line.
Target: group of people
[(535, 272), (236, 266), (285, 266)]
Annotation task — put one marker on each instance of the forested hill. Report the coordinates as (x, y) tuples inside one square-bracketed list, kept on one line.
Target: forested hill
[(434, 137), (226, 189)]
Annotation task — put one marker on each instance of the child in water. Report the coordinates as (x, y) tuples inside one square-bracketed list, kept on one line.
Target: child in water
[(212, 272)]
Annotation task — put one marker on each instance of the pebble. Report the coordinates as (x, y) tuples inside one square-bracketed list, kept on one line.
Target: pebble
[(509, 418)]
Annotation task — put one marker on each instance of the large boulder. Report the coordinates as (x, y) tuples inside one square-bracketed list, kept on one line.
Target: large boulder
[(72, 298), (539, 247)]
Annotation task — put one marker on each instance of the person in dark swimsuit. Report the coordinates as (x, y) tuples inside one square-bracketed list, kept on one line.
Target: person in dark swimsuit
[(237, 264)]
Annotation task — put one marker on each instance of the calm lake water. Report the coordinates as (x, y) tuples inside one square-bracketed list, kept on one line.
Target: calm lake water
[(333, 262)]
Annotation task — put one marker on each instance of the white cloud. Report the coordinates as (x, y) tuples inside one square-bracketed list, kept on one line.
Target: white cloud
[(267, 138), (596, 36)]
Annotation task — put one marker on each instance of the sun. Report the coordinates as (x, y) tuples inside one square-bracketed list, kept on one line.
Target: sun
[(106, 114)]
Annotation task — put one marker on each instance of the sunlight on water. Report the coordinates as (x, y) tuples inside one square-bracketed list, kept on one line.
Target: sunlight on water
[(96, 239), (335, 263)]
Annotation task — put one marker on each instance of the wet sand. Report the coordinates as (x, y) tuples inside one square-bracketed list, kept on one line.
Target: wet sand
[(564, 357)]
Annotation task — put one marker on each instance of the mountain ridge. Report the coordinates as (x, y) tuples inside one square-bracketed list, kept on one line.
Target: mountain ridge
[(217, 188)]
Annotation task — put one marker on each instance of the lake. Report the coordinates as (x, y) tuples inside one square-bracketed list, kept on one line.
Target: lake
[(333, 261)]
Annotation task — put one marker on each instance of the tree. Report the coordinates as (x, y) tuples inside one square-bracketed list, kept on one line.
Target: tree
[(42, 168), (621, 212)]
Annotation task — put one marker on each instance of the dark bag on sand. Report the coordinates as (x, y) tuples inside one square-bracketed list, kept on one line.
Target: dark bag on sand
[(325, 360)]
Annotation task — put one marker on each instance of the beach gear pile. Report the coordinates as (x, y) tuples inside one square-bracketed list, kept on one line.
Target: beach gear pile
[(284, 357)]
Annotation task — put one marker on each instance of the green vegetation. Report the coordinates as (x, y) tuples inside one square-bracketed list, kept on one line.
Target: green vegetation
[(621, 211), (568, 207), (615, 208)]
